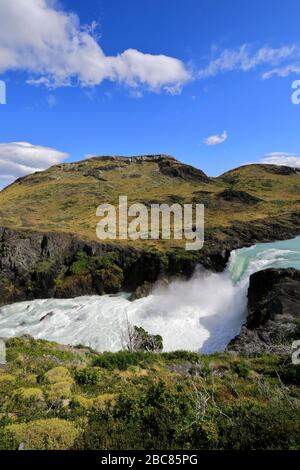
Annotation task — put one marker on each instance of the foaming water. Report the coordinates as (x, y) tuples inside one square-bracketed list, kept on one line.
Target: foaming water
[(202, 314)]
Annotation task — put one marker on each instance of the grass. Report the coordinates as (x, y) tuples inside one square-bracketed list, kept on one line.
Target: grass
[(65, 197)]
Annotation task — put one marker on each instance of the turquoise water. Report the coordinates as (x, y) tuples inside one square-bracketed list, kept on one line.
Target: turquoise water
[(280, 254)]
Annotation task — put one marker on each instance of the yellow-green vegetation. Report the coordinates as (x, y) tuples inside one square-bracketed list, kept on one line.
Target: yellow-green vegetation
[(136, 400), (65, 197), (44, 434)]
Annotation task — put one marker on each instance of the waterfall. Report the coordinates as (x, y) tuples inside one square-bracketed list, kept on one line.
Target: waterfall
[(201, 314)]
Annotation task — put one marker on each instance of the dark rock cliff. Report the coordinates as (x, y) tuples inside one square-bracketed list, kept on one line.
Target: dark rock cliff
[(273, 313), (35, 265)]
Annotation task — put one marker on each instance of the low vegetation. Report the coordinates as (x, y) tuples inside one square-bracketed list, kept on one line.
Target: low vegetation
[(62, 397)]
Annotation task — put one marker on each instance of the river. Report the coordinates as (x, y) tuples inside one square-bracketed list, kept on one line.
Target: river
[(201, 314)]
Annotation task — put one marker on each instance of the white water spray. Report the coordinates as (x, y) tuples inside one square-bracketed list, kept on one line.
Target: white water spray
[(202, 314)]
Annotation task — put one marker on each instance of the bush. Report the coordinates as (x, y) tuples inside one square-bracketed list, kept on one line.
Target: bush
[(7, 378), (140, 340), (182, 356), (88, 376), (44, 434), (260, 427), (241, 368), (30, 394), (107, 276), (152, 418), (7, 440), (60, 382), (123, 359), (58, 374), (290, 374), (81, 402)]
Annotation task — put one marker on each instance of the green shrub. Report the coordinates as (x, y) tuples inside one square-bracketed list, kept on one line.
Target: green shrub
[(241, 368), (182, 356), (290, 373), (153, 418), (123, 359), (7, 440), (81, 264), (88, 376), (30, 394), (44, 434), (58, 374), (60, 381), (260, 427)]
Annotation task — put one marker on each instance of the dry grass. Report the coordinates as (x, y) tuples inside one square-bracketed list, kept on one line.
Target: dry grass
[(65, 197)]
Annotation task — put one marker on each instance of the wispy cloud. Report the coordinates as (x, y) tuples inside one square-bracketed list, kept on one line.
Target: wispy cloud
[(282, 159), (245, 59), (284, 71), (56, 50), (216, 139), (21, 158)]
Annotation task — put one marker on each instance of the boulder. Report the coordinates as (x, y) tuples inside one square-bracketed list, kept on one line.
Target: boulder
[(273, 313)]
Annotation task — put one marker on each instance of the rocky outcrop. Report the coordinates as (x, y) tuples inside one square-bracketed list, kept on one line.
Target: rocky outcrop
[(273, 313), (242, 197), (35, 265), (273, 293), (147, 288), (180, 170)]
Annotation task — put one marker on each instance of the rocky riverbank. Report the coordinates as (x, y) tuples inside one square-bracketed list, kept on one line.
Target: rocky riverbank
[(273, 320)]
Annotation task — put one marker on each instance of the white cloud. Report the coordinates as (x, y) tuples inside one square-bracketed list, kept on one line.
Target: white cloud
[(244, 59), (216, 139), (282, 71), (21, 158), (89, 155), (282, 159), (280, 154), (51, 44)]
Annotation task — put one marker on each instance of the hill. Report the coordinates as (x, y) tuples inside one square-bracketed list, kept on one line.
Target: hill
[(48, 244), (64, 198)]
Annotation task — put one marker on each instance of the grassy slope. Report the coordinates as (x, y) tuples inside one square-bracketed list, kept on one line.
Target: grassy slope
[(65, 197), (57, 397)]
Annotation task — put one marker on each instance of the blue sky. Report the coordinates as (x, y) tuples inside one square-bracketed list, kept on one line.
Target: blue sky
[(225, 80)]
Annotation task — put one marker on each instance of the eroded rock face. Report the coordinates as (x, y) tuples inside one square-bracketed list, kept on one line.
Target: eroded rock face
[(238, 196), (35, 265), (272, 293), (273, 311), (180, 170)]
